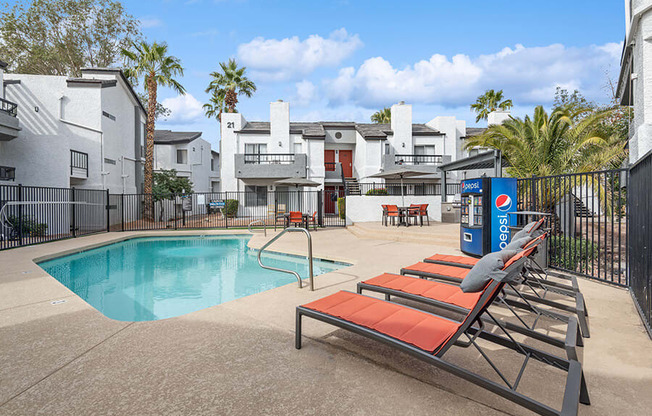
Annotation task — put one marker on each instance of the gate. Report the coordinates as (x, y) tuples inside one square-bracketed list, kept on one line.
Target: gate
[(588, 221), (640, 237)]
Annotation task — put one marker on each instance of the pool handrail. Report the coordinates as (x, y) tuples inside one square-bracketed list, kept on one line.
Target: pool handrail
[(258, 221), (310, 271)]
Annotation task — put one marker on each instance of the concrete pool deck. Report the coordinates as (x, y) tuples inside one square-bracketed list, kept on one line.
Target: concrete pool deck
[(66, 358)]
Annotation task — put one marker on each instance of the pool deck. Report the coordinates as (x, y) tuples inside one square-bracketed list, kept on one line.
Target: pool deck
[(238, 358)]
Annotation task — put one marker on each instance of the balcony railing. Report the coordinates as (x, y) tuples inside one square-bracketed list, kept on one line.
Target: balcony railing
[(8, 107), (418, 160), (269, 159), (330, 166), (416, 189), (78, 164), (7, 173)]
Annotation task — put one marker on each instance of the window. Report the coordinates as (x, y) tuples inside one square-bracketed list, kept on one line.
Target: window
[(255, 148), (297, 148), (255, 196), (212, 164), (182, 156), (386, 148), (108, 115), (338, 135), (424, 150)]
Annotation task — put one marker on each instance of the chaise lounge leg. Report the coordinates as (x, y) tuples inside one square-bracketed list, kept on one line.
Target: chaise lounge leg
[(584, 391), (297, 332), (387, 297)]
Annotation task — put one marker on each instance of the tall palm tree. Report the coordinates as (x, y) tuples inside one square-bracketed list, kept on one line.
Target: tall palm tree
[(382, 116), (151, 61), (490, 101), (229, 83)]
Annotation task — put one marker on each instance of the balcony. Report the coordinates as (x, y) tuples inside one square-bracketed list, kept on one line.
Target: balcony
[(8, 120), (270, 165), (78, 164), (424, 162)]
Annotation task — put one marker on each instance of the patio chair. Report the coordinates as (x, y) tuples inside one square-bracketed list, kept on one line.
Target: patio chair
[(429, 337), (452, 298), (413, 212), (392, 212), (384, 217), (518, 299), (423, 212), (296, 218), (313, 220)]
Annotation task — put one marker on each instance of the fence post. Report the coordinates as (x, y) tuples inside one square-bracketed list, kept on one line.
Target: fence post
[(108, 212), (73, 219), (226, 210), (122, 211), (20, 215), (320, 207)]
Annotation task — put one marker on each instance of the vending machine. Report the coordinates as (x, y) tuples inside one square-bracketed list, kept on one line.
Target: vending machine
[(484, 226)]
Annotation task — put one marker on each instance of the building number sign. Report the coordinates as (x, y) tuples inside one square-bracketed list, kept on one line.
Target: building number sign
[(230, 125)]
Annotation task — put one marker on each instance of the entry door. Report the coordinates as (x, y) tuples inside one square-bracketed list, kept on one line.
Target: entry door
[(346, 159)]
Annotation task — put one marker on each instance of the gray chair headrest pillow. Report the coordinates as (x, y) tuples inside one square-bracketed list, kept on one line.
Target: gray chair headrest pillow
[(518, 244), (487, 268)]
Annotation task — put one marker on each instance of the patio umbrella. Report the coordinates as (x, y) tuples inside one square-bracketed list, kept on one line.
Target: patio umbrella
[(400, 172), (296, 182)]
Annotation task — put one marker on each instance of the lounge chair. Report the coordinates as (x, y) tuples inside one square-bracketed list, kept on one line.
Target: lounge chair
[(429, 337), (518, 299)]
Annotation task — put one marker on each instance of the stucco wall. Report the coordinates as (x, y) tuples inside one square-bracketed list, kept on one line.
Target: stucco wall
[(367, 208)]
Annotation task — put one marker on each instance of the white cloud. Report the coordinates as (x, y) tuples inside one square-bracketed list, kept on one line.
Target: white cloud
[(184, 109), (528, 75), (306, 93), (149, 22), (274, 59)]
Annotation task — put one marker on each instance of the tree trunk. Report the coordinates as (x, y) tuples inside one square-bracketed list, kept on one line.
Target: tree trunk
[(149, 146)]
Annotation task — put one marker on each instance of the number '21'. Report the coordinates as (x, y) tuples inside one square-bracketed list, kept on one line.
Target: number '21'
[(230, 125)]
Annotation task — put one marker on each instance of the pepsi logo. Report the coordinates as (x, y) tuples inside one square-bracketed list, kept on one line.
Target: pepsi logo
[(503, 202)]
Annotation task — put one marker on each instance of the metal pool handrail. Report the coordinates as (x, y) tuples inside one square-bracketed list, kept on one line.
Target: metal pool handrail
[(256, 221), (287, 230)]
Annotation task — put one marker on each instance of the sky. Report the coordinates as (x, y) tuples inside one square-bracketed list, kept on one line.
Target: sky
[(343, 60)]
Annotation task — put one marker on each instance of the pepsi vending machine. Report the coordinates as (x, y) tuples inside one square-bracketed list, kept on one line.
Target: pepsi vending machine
[(485, 224)]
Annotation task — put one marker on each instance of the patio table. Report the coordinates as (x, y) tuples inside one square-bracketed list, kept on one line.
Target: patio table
[(403, 216)]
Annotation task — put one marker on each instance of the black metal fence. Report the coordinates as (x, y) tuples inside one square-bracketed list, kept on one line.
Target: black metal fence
[(640, 237), (416, 189), (33, 214), (588, 221)]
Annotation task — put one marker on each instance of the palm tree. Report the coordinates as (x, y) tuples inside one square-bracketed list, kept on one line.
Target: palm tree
[(382, 116), (229, 83), (215, 105), (490, 101), (152, 62), (553, 144)]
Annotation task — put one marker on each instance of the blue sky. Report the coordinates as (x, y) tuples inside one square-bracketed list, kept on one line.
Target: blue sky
[(342, 60)]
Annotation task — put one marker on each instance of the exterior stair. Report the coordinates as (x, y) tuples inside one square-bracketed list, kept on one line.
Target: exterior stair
[(580, 209), (352, 186)]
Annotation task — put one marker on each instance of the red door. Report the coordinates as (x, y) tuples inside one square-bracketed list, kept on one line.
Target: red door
[(346, 159), (329, 204), (329, 160)]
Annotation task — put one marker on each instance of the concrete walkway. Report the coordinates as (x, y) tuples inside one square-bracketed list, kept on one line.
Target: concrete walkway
[(238, 358)]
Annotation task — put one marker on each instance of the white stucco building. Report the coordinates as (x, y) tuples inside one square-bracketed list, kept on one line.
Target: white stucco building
[(85, 132), (635, 81), (189, 154), (255, 154)]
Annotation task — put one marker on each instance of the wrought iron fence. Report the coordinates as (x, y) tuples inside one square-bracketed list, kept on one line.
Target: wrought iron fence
[(640, 238), (33, 214), (588, 221), (416, 189), (78, 163)]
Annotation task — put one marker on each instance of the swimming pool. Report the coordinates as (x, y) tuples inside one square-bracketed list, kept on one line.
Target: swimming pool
[(150, 278)]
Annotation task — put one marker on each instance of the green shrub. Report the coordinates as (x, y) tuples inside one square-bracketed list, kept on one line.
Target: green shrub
[(232, 208), (376, 191), (571, 253), (29, 225), (341, 207)]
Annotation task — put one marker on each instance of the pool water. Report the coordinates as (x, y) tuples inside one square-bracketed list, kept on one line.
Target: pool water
[(150, 278)]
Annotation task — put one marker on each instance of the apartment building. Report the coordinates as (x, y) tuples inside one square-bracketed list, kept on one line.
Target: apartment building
[(256, 154), (635, 81), (187, 153), (58, 131)]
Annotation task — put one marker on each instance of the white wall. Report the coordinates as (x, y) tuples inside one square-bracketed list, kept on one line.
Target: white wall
[(279, 117), (231, 122), (368, 208)]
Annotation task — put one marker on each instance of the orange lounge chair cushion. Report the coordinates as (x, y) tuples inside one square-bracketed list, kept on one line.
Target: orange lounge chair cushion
[(439, 269), (427, 288), (423, 330), (468, 261)]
